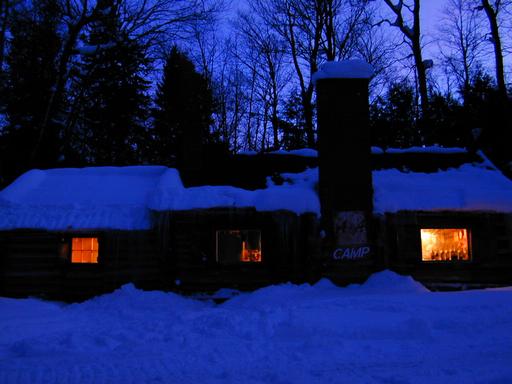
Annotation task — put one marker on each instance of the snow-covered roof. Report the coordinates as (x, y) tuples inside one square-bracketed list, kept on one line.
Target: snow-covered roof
[(471, 187), (122, 197), (303, 152), (102, 197), (308, 152), (432, 149)]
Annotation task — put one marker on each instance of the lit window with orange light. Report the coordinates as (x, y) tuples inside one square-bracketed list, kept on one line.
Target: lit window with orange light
[(446, 244), (239, 246), (84, 250)]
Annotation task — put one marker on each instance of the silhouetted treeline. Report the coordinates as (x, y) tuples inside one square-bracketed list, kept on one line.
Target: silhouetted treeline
[(118, 82)]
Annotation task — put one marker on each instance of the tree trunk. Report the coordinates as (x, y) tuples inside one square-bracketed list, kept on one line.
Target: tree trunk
[(492, 16), (307, 108), (58, 91), (274, 104), (418, 61)]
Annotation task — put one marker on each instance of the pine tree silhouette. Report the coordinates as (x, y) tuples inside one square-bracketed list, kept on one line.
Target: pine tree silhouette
[(182, 117), (112, 124), (29, 77)]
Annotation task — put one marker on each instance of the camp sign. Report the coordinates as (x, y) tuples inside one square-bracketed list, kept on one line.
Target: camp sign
[(353, 252), (351, 238)]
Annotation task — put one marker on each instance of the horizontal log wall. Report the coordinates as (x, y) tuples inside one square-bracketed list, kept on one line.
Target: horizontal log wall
[(181, 254), (32, 264), (287, 247)]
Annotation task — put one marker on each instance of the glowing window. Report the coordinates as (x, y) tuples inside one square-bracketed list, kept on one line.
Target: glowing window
[(238, 246), (84, 250), (445, 244)]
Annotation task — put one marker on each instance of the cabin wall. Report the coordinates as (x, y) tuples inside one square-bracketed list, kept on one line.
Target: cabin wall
[(288, 244), (29, 264), (181, 254), (490, 242), (34, 263)]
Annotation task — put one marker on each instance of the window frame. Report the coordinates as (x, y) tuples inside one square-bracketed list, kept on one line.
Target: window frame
[(66, 248)]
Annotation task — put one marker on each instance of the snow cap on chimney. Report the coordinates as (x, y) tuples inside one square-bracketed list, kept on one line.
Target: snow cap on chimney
[(346, 69)]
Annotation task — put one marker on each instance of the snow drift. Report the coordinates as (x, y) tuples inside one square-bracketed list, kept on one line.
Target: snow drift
[(388, 330)]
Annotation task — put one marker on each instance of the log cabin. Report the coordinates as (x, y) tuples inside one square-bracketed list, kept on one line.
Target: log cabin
[(443, 215)]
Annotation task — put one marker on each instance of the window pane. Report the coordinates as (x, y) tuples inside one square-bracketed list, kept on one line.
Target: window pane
[(86, 256), (84, 250), (77, 244), (445, 244), (76, 256)]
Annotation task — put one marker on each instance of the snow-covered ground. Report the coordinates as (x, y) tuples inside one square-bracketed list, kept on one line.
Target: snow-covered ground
[(389, 330)]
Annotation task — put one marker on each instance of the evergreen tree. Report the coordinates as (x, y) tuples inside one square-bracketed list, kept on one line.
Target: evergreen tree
[(489, 116), (111, 89), (292, 126), (183, 114), (446, 127), (30, 75), (392, 118)]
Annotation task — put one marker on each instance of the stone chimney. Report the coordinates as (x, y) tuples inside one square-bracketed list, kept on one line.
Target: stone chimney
[(345, 176)]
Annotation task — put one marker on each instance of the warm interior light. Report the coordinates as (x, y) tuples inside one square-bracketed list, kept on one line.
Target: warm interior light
[(84, 250), (447, 244), (250, 255), (239, 246)]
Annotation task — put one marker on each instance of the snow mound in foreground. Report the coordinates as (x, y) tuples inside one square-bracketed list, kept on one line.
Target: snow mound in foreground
[(311, 334), (390, 282), (385, 282), (129, 299)]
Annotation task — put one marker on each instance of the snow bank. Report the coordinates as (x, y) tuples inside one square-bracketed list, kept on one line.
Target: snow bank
[(346, 69), (383, 331), (388, 282), (381, 283)]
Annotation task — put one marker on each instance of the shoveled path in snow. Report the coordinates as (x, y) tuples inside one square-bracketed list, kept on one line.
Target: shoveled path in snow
[(389, 330)]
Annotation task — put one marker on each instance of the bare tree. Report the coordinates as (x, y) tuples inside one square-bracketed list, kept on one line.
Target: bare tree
[(264, 58), (345, 22), (233, 95), (378, 46), (407, 20), (300, 25), (494, 9), (461, 41), (313, 31)]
